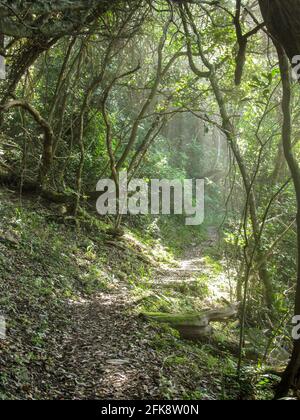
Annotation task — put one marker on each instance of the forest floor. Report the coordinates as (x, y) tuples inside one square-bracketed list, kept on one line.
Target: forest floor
[(71, 300)]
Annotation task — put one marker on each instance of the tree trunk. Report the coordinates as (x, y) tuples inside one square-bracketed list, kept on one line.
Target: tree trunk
[(291, 377), (283, 22)]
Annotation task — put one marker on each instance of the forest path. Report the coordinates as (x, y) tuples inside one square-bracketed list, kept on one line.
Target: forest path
[(194, 267), (106, 350), (64, 344)]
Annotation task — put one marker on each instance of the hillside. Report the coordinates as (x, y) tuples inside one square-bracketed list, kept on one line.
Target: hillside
[(72, 301)]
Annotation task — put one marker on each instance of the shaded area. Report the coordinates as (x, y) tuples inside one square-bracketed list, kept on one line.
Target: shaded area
[(283, 22)]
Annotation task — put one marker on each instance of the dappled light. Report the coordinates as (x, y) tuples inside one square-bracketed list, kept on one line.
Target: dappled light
[(149, 201)]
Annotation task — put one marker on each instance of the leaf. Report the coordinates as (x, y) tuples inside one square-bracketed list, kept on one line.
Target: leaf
[(118, 362)]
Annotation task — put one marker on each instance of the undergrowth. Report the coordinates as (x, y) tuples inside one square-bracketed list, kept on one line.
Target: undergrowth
[(47, 264)]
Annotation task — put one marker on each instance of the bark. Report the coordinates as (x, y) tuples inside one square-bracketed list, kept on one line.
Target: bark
[(291, 377), (47, 157), (242, 41), (193, 326), (282, 18)]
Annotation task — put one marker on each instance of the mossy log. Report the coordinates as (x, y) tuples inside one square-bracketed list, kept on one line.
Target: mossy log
[(193, 326), (14, 181)]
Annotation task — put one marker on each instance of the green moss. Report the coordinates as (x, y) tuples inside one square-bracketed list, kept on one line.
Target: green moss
[(213, 265), (176, 319), (177, 360)]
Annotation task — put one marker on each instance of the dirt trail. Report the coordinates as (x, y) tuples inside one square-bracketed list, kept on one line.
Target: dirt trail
[(191, 266), (61, 348), (106, 351)]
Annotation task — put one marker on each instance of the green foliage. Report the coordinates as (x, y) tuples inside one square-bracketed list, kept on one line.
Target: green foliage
[(122, 94)]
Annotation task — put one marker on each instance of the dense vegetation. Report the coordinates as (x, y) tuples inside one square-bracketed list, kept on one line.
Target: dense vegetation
[(161, 89)]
